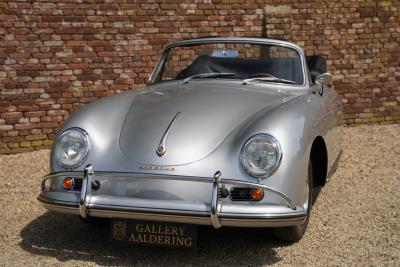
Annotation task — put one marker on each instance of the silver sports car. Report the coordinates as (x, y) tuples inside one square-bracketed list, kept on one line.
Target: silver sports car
[(237, 132)]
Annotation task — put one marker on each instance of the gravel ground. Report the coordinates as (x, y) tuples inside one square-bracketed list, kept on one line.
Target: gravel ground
[(356, 220)]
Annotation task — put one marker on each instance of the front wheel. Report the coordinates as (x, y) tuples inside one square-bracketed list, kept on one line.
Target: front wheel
[(295, 232)]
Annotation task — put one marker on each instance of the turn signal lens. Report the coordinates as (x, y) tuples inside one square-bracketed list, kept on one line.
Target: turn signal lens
[(257, 194), (68, 183)]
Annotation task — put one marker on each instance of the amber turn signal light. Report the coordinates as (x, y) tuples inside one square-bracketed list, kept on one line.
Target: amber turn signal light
[(68, 183), (257, 194)]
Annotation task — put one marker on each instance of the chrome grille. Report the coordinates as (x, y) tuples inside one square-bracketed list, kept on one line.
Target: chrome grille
[(241, 194), (77, 185)]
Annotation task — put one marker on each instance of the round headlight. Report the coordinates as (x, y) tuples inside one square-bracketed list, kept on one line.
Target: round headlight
[(261, 155), (72, 148)]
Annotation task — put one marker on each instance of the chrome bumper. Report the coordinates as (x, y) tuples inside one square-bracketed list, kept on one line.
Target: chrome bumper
[(294, 215)]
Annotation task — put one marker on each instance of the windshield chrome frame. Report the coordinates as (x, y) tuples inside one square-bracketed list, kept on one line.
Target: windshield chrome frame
[(254, 41)]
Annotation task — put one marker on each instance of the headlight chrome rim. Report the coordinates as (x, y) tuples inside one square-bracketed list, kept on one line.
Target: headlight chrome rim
[(272, 170), (87, 150)]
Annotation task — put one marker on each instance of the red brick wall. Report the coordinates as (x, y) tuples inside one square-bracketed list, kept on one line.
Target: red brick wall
[(59, 55)]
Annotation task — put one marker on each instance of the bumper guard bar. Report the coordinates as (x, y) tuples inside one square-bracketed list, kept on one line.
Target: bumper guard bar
[(88, 183)]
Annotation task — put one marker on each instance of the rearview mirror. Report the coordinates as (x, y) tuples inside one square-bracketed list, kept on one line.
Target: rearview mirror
[(224, 53), (148, 81)]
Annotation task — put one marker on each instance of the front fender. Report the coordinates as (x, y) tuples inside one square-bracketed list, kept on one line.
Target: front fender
[(102, 120), (295, 125)]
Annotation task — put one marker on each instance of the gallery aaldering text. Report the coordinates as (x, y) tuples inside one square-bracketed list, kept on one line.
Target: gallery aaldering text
[(161, 235)]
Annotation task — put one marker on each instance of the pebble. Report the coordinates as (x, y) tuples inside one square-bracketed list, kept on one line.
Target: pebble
[(354, 222)]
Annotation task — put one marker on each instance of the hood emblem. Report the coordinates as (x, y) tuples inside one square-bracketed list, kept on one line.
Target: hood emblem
[(161, 149)]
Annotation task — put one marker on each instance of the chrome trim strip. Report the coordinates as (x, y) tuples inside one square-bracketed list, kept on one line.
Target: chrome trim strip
[(215, 200), (147, 216), (155, 176), (235, 216), (76, 174), (161, 149), (145, 210), (246, 221), (226, 219), (265, 187), (168, 213), (252, 40), (267, 222)]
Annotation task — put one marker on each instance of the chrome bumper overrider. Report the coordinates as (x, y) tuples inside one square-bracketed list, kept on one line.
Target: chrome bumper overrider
[(84, 208)]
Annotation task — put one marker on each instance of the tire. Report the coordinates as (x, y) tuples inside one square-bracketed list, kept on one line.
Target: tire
[(295, 232)]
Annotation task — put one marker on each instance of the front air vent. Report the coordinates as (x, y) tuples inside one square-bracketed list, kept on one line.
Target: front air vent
[(241, 194), (77, 185)]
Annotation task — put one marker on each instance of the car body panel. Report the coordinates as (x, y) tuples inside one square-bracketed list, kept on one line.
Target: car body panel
[(217, 116), (203, 124)]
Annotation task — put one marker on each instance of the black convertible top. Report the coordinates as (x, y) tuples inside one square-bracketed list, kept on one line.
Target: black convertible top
[(285, 68), (316, 65)]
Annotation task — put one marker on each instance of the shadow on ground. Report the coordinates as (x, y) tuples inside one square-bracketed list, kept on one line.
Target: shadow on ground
[(66, 237)]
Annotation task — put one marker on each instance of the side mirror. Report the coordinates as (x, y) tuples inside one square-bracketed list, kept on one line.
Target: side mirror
[(148, 81), (324, 79)]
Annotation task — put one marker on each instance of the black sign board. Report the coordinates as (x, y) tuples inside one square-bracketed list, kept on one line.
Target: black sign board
[(154, 233)]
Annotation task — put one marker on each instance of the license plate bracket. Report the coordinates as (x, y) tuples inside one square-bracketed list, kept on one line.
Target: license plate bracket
[(152, 233)]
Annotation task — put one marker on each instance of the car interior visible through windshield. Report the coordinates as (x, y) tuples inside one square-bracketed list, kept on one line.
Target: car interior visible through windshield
[(284, 68), (243, 61)]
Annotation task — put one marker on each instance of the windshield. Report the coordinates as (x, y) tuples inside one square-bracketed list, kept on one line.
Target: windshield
[(270, 63)]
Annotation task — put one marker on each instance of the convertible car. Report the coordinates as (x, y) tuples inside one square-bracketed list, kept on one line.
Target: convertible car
[(239, 132)]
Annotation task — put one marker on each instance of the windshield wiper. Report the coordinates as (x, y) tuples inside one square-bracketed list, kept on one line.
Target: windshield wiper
[(208, 75), (268, 79)]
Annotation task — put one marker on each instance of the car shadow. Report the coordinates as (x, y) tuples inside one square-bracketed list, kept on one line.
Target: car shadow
[(66, 237)]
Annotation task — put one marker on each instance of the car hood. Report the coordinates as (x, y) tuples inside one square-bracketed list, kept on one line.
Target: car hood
[(208, 113)]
